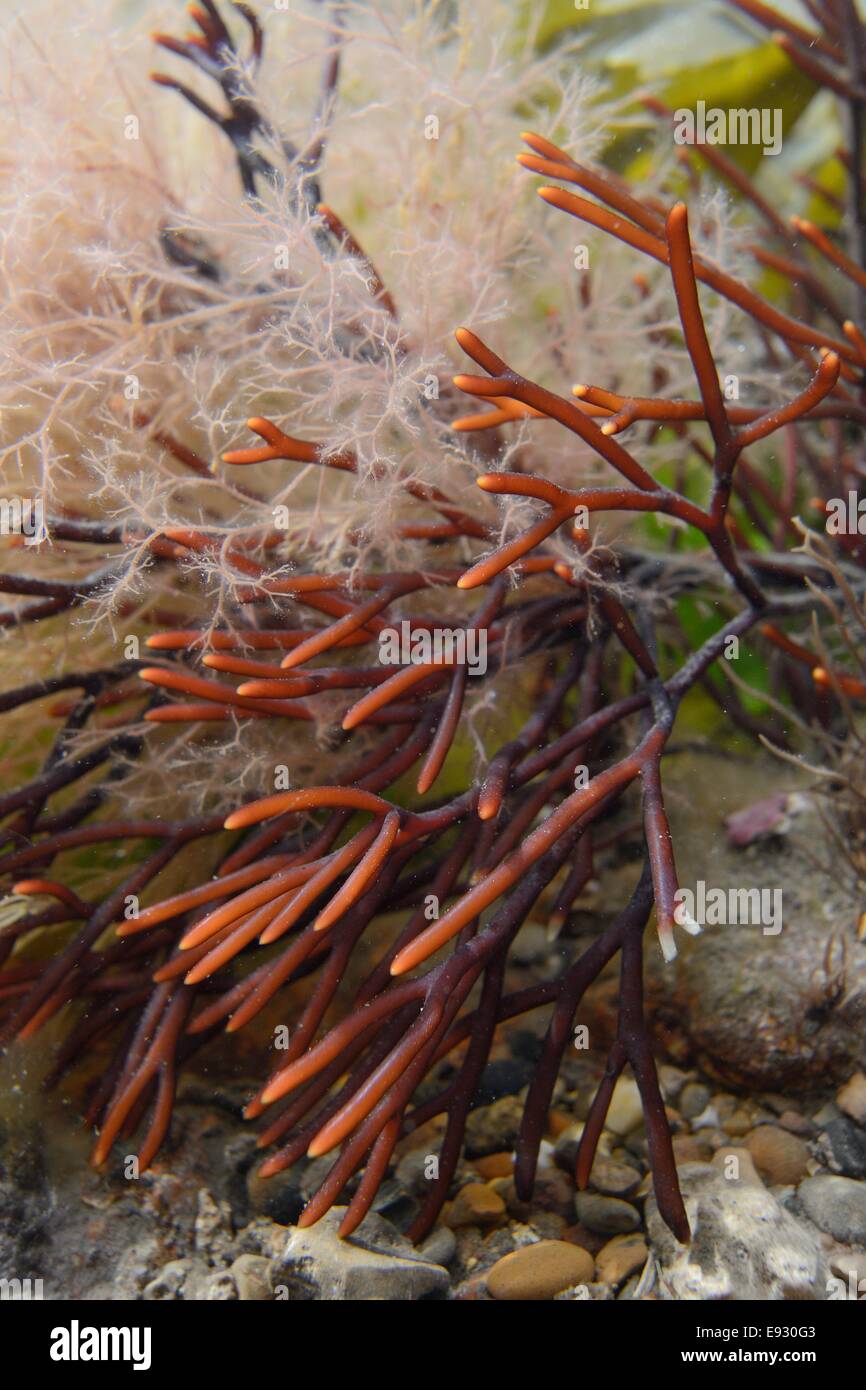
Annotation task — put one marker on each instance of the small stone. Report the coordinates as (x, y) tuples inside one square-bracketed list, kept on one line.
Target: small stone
[(553, 1192), (565, 1148), (636, 1144), (797, 1124), (671, 1082), (440, 1247), (779, 1156), (723, 1104), (621, 1257), (828, 1112), (540, 1271), (606, 1215), (852, 1098), (495, 1165), (252, 1276), (851, 1267), (416, 1170), (708, 1119), (737, 1165), (557, 1122), (836, 1205), (584, 1237), (493, 1128), (394, 1202), (778, 1104), (503, 1077), (549, 1225), (686, 1149), (476, 1204), (612, 1178), (712, 1139), (848, 1262), (625, 1112), (694, 1099), (738, 1124), (847, 1143)]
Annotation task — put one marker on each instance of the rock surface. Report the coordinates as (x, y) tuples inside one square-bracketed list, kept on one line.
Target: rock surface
[(744, 1244), (375, 1263), (836, 1205), (755, 1010)]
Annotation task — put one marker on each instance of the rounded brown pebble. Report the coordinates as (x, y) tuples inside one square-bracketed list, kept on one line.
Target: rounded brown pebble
[(687, 1149), (796, 1123), (621, 1257), (476, 1204), (540, 1271), (779, 1156), (738, 1124), (495, 1165)]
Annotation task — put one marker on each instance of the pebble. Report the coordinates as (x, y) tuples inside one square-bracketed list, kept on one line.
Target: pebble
[(440, 1247), (493, 1128), (413, 1172), (852, 1098), (724, 1104), (847, 1143), (738, 1124), (671, 1082), (626, 1111), (694, 1099), (847, 1263), (636, 1144), (557, 1122), (476, 1204), (495, 1165), (565, 1148), (393, 1201), (540, 1271), (708, 1119), (622, 1256), (743, 1170), (796, 1123), (612, 1178), (836, 1205), (606, 1215), (553, 1193), (686, 1149), (252, 1276), (503, 1077), (828, 1112), (779, 1156)]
